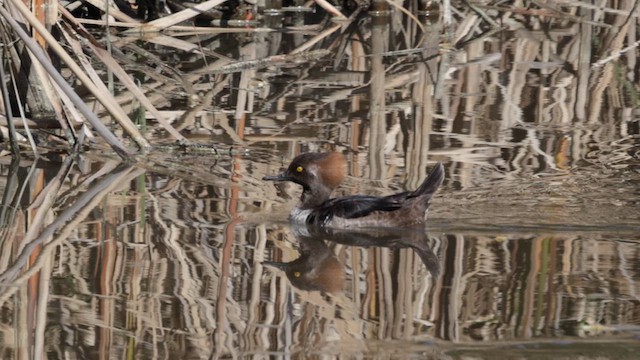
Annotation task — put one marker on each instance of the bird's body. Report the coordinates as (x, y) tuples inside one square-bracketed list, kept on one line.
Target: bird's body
[(320, 173)]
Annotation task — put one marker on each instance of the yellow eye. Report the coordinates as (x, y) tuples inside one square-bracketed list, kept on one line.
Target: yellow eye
[(299, 169), (297, 273)]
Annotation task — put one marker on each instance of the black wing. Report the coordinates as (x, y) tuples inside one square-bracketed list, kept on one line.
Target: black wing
[(399, 197), (352, 207)]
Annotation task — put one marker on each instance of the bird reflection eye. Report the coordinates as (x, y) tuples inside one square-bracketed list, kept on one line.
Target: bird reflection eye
[(297, 273), (299, 169)]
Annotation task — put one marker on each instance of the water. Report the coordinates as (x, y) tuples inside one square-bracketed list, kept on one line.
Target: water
[(162, 266), (531, 248)]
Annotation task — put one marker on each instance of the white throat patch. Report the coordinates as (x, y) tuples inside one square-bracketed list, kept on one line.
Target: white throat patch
[(299, 216)]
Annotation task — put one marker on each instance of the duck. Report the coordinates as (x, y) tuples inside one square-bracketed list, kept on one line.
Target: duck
[(319, 174)]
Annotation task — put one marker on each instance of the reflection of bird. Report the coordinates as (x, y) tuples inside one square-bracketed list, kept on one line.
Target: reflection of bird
[(415, 239), (320, 173), (317, 268)]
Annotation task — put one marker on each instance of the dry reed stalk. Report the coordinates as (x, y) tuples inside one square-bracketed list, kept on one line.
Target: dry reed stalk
[(316, 39), (244, 98), (37, 51), (113, 11), (482, 14), (613, 44), (172, 42), (105, 23), (590, 6), (25, 123), (54, 94), (615, 54), (136, 91), (582, 63), (252, 64), (331, 9), (173, 19), (551, 13), (38, 93), (13, 139), (408, 13), (126, 80), (179, 30), (188, 117), (185, 30), (377, 109), (106, 99), (100, 85)]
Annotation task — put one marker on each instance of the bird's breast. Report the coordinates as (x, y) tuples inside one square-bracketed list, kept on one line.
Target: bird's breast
[(299, 216)]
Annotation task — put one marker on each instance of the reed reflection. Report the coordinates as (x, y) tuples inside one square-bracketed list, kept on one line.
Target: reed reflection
[(318, 268)]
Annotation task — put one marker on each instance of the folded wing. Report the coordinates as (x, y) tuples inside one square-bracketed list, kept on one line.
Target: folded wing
[(353, 207)]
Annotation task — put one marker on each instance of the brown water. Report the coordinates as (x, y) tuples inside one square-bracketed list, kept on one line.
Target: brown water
[(532, 248)]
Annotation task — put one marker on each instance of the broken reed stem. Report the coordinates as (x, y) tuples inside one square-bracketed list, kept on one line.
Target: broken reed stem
[(39, 54), (105, 99)]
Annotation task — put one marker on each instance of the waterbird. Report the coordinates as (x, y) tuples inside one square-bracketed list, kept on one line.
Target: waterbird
[(320, 173)]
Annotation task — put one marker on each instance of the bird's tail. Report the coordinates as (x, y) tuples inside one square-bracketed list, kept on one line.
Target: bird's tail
[(431, 184)]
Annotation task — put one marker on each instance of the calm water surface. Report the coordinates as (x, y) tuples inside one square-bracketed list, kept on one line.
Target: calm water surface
[(532, 248), (157, 266)]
